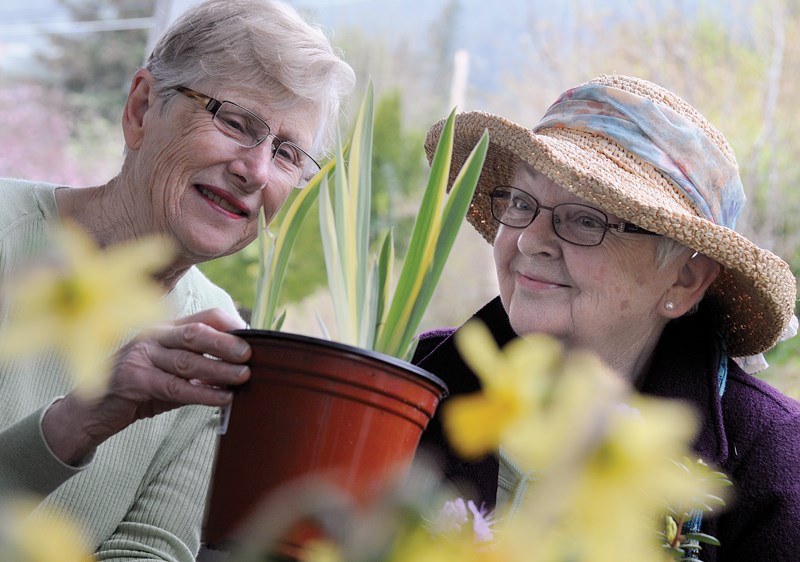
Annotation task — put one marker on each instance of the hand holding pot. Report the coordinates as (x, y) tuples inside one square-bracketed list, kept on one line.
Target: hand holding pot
[(189, 361)]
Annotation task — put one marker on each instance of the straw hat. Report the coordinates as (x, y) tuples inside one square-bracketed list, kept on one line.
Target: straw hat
[(755, 291)]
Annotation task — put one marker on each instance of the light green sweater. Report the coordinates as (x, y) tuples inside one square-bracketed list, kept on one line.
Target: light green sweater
[(141, 496)]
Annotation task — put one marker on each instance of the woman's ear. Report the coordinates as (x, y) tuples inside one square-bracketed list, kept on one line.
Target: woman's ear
[(141, 98), (694, 277)]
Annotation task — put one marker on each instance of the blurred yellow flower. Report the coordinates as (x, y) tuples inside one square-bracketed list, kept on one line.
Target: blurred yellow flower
[(476, 423), (322, 551), (421, 545), (603, 456), (83, 302), (565, 423), (38, 536), (628, 479)]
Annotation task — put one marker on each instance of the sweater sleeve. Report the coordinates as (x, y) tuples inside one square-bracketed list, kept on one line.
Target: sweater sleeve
[(765, 524), (27, 465), (165, 520)]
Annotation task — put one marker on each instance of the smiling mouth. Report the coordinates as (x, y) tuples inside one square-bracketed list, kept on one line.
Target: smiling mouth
[(220, 202), (539, 282)]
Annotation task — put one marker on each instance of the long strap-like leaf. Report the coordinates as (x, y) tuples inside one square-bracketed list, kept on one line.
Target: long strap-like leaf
[(434, 239), (274, 251), (345, 224), (420, 251), (453, 217)]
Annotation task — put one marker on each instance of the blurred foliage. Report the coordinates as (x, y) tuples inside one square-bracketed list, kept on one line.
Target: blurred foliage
[(784, 370), (93, 71), (400, 170)]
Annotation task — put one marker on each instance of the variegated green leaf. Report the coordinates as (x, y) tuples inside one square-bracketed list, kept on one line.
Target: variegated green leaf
[(385, 268), (421, 247), (274, 250), (418, 280), (453, 217)]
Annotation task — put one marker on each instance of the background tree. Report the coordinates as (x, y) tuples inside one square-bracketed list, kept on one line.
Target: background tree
[(94, 69)]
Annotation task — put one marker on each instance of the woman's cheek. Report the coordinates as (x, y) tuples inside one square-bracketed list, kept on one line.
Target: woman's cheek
[(272, 201)]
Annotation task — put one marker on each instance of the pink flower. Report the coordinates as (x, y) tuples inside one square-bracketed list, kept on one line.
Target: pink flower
[(481, 523), (456, 514)]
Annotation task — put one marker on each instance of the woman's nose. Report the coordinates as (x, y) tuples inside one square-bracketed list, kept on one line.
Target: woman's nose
[(254, 165), (539, 236)]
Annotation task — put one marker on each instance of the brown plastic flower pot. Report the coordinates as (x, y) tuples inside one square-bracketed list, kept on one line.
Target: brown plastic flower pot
[(315, 408)]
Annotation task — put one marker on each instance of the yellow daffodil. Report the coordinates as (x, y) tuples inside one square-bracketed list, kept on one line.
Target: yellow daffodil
[(628, 478), (568, 418), (84, 301), (39, 536), (603, 457), (475, 424), (420, 545), (610, 490)]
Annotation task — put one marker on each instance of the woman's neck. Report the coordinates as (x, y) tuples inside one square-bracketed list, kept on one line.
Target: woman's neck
[(102, 212), (110, 215), (633, 362)]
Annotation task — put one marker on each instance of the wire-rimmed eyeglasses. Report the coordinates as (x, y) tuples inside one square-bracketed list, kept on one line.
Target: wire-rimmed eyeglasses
[(247, 129), (575, 223)]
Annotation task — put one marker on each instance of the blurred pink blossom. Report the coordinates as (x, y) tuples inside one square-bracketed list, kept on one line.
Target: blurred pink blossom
[(456, 514)]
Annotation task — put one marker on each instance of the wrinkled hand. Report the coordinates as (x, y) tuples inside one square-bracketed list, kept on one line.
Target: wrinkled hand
[(162, 369)]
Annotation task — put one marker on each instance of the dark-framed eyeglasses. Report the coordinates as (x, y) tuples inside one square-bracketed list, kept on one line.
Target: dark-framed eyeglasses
[(575, 223), (247, 129)]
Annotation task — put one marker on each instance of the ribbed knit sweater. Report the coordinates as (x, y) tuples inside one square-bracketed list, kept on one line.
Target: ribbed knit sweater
[(142, 495)]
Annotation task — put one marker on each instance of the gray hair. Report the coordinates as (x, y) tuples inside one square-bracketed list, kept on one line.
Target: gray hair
[(667, 250), (262, 46)]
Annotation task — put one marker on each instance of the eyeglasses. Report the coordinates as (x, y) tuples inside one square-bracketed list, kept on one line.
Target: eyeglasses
[(247, 129), (575, 223)]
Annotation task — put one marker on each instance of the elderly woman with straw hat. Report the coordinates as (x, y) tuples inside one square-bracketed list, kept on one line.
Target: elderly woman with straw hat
[(612, 222)]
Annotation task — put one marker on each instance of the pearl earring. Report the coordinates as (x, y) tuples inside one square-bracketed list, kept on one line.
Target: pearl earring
[(669, 305)]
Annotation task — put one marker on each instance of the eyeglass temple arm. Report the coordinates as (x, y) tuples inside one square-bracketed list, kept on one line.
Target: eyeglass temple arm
[(628, 227), (208, 103)]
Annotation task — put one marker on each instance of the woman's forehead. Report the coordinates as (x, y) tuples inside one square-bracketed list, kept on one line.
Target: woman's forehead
[(297, 121), (542, 187)]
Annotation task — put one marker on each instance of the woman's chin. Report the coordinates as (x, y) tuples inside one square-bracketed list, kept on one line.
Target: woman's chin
[(537, 324)]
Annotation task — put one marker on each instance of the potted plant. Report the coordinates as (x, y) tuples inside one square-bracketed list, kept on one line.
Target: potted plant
[(346, 414)]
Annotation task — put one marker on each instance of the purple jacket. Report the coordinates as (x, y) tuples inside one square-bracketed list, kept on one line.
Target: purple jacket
[(751, 432)]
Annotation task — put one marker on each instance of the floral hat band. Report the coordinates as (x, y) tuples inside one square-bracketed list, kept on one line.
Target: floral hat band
[(659, 135)]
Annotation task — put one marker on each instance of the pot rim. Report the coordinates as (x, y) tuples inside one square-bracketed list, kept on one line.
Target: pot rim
[(246, 333)]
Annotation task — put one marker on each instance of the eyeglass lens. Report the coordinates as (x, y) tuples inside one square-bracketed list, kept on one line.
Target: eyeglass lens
[(248, 130), (576, 223)]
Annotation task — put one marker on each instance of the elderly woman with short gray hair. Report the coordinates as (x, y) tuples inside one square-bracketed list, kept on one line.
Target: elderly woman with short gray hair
[(228, 115)]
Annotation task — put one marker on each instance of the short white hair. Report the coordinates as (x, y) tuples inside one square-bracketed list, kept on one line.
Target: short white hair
[(260, 46), (667, 250)]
